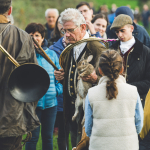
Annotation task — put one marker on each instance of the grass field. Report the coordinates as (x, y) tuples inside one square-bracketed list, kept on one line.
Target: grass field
[(55, 146)]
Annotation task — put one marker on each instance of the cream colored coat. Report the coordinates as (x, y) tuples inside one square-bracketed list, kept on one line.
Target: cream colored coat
[(113, 120)]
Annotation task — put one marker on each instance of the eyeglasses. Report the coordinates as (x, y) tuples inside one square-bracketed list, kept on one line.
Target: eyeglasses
[(63, 31)]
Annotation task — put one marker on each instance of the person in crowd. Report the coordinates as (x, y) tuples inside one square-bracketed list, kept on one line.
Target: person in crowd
[(92, 7), (119, 127), (87, 13), (100, 22), (58, 46), (145, 16), (111, 16), (51, 16), (74, 29), (137, 15), (47, 106), (16, 118), (136, 61), (113, 8), (139, 32), (56, 34)]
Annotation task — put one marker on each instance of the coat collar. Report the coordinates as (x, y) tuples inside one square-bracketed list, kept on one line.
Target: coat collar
[(138, 47), (3, 19), (104, 79)]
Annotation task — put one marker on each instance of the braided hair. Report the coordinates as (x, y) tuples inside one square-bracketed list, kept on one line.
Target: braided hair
[(111, 64)]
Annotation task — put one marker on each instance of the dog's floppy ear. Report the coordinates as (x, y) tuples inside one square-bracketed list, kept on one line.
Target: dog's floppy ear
[(89, 58)]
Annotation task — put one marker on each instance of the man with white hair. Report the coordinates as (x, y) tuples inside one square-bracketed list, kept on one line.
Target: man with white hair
[(74, 29), (51, 16)]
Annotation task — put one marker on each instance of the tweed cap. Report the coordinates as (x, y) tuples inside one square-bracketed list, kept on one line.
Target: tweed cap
[(120, 21)]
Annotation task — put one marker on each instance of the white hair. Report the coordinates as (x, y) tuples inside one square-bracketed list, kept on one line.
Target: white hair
[(71, 14), (51, 9)]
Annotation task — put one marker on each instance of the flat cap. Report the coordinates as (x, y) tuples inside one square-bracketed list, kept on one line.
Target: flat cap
[(120, 21)]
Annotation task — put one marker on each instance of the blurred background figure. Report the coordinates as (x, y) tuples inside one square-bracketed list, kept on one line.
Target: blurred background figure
[(85, 10), (111, 16), (46, 109), (87, 13), (145, 16), (137, 15), (100, 22), (104, 9), (51, 16), (130, 8), (113, 8), (56, 34), (92, 7)]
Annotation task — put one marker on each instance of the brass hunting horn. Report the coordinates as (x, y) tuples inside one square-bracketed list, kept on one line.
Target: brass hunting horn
[(27, 82), (70, 46)]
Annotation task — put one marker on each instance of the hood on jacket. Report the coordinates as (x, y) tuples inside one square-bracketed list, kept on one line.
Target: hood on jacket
[(124, 10), (45, 44), (58, 47)]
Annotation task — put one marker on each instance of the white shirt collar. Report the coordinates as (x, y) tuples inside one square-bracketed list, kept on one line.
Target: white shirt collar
[(79, 48), (125, 46)]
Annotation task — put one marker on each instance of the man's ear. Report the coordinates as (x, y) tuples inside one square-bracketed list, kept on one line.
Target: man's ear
[(132, 28), (83, 27), (10, 11)]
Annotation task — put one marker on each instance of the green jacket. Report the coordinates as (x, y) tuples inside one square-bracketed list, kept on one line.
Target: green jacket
[(16, 118)]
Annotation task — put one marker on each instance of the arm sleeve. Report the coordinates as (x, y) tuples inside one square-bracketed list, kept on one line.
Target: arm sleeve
[(96, 35), (144, 85), (27, 52), (88, 117), (59, 87), (138, 115)]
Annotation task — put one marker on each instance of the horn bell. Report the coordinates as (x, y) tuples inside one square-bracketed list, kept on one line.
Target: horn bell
[(28, 83)]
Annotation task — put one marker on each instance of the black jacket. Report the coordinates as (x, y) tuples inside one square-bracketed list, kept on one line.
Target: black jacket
[(138, 68)]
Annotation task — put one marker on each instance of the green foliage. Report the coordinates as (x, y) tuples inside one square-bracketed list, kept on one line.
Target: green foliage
[(27, 11), (132, 3)]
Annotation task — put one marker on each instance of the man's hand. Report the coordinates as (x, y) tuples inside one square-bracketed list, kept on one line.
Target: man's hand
[(59, 75), (92, 78), (90, 27)]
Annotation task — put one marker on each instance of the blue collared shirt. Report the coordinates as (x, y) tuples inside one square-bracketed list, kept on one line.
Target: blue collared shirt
[(89, 116)]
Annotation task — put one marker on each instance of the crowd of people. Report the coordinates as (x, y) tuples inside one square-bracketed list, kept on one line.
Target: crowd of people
[(113, 107)]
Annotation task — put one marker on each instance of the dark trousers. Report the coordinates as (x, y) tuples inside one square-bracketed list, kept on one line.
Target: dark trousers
[(11, 143), (47, 118), (75, 126), (61, 127), (61, 131)]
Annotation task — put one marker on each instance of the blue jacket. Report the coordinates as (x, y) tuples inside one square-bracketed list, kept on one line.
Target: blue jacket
[(49, 99), (139, 32), (58, 47)]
